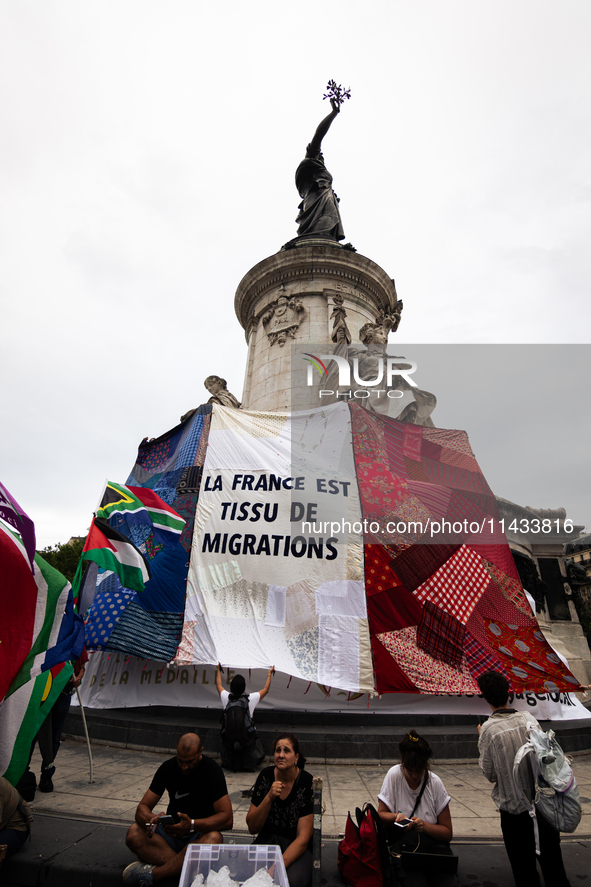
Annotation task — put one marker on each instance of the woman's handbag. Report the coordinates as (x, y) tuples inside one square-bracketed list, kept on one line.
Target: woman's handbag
[(363, 856), (421, 851)]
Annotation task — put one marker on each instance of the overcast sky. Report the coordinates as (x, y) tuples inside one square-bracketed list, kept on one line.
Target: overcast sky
[(147, 160)]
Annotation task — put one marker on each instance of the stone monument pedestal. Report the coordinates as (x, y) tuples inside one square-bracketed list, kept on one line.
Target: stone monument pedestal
[(289, 298)]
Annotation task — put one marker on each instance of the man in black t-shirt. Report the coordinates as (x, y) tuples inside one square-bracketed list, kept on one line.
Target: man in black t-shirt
[(198, 796)]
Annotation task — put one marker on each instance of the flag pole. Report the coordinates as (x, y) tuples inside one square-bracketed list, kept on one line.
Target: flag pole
[(86, 732)]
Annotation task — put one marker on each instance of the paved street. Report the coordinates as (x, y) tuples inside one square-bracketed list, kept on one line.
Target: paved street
[(121, 776)]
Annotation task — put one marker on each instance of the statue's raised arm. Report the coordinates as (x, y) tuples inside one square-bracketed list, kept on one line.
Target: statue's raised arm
[(313, 148), (319, 214)]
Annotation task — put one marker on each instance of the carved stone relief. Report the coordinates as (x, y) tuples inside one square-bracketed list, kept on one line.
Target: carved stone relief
[(282, 318), (340, 331), (387, 322)]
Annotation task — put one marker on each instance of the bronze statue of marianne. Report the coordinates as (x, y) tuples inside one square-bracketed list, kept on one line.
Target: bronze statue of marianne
[(319, 210)]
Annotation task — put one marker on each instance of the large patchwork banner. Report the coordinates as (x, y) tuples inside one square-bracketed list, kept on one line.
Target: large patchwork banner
[(348, 549), (272, 581)]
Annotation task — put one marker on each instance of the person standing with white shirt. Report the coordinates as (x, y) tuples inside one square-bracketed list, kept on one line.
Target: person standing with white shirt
[(252, 750)]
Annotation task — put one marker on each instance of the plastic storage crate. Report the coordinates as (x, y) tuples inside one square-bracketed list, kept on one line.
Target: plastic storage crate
[(243, 860)]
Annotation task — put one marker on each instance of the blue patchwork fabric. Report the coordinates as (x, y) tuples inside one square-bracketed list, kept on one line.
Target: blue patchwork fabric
[(149, 623), (110, 603), (150, 635), (188, 450)]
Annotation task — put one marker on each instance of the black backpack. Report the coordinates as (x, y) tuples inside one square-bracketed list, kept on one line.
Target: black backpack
[(237, 725)]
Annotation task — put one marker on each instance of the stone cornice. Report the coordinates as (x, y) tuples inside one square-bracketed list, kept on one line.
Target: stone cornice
[(325, 263), (510, 512)]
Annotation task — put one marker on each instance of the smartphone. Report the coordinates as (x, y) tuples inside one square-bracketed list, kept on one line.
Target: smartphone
[(169, 819), (403, 822)]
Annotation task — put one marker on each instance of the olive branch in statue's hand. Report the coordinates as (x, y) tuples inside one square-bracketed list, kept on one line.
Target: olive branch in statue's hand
[(336, 94)]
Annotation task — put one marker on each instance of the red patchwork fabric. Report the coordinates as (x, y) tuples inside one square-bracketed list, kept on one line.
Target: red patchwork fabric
[(528, 658), (500, 556), (460, 460), (441, 635), (435, 498), (494, 605), (390, 678), (417, 564), (458, 584), (412, 440), (479, 659), (461, 508), (449, 439), (379, 575), (457, 478), (431, 450), (510, 589), (428, 674), (441, 614), (484, 500), (392, 610), (393, 435), (414, 470)]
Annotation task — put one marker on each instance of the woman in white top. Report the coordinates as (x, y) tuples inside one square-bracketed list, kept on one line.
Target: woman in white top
[(406, 784)]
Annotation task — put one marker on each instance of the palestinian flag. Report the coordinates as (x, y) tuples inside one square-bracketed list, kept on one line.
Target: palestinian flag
[(124, 506), (113, 551)]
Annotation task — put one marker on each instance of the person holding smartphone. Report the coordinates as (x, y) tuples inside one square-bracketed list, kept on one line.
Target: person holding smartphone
[(414, 807), (199, 807)]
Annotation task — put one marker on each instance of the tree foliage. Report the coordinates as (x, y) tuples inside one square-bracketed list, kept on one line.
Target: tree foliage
[(65, 555)]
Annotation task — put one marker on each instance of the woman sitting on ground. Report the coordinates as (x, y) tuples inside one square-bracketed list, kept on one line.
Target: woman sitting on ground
[(411, 791), (281, 809)]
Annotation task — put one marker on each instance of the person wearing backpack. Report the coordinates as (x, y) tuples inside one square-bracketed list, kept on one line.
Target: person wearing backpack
[(240, 743), (500, 737)]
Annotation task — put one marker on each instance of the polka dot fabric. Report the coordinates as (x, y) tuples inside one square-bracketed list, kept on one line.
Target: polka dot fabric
[(109, 605)]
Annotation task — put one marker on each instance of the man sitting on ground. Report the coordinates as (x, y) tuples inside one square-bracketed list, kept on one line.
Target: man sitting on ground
[(197, 793)]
